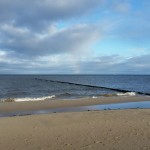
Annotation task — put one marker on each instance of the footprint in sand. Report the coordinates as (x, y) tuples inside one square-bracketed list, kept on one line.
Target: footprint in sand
[(68, 144)]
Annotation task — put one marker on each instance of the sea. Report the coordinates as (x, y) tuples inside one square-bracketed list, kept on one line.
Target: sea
[(53, 87)]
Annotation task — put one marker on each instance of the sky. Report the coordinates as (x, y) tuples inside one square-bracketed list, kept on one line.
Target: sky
[(75, 37)]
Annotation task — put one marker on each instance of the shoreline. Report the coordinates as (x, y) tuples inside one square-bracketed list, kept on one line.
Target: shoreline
[(8, 107)]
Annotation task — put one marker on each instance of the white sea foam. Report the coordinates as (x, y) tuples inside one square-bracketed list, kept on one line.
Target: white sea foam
[(126, 94), (116, 94), (34, 99), (94, 96)]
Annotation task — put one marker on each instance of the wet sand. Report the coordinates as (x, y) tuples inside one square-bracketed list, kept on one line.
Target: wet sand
[(48, 104), (93, 130)]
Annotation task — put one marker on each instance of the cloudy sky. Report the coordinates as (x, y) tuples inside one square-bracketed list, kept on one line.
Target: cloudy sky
[(75, 37)]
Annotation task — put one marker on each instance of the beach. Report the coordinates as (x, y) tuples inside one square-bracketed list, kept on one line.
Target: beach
[(107, 129), (75, 75), (53, 104)]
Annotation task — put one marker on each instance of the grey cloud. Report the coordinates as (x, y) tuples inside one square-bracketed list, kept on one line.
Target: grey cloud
[(28, 31), (112, 64), (71, 39), (34, 66), (37, 13), (117, 65)]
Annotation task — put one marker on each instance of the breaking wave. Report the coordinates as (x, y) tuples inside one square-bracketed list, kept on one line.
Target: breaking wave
[(27, 99), (116, 94), (127, 94), (62, 96)]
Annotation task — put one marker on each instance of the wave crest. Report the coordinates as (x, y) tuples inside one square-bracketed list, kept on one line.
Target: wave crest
[(27, 99), (126, 94), (116, 94)]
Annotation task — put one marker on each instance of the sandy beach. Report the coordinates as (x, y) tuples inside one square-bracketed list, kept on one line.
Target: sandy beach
[(107, 130), (48, 104), (75, 75)]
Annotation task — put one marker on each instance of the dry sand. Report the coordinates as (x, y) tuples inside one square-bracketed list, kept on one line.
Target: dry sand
[(91, 130), (94, 130)]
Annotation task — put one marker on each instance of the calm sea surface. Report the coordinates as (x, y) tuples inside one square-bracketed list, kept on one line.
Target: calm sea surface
[(27, 87)]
